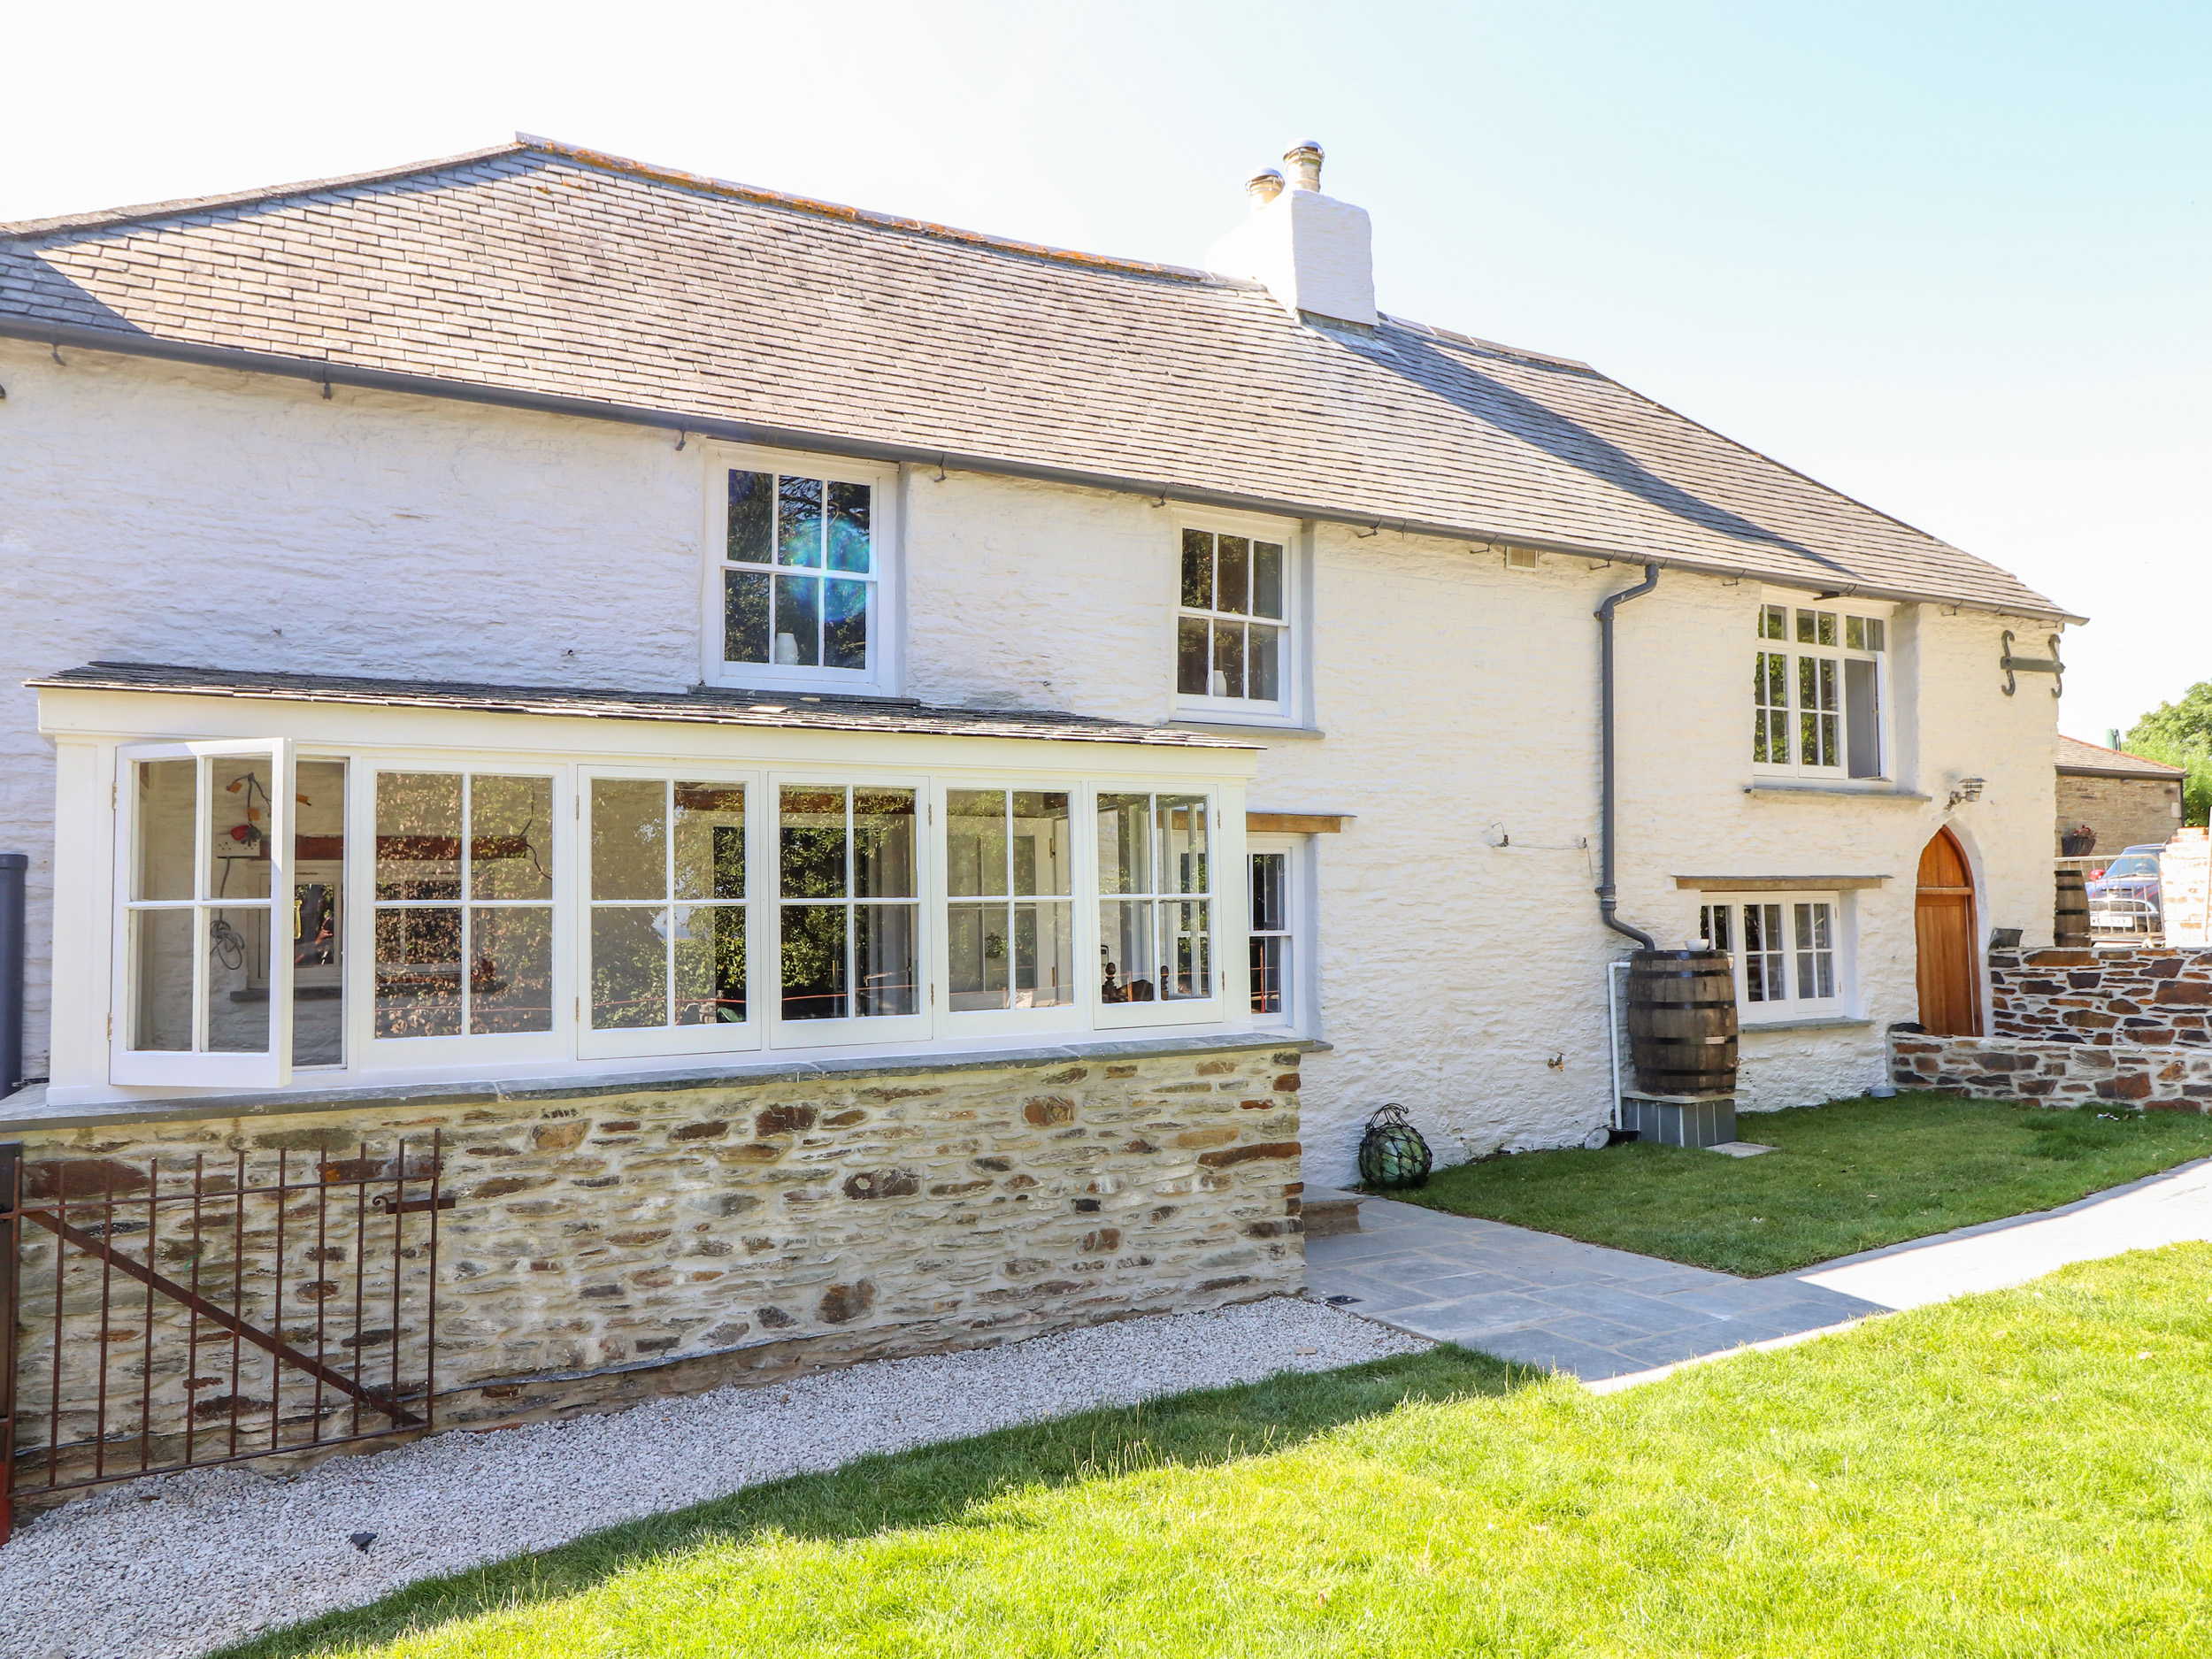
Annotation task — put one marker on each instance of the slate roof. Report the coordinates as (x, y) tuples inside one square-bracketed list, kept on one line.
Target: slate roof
[(822, 713), (2092, 760), (537, 269)]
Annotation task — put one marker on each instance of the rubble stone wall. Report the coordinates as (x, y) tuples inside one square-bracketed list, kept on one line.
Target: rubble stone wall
[(2131, 994)]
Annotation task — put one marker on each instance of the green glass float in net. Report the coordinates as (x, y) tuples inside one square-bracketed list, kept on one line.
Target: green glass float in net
[(1392, 1154)]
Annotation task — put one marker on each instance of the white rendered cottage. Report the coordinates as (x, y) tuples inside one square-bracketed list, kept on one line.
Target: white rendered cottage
[(535, 626)]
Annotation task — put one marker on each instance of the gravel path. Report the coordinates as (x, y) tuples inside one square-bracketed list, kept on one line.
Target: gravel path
[(170, 1567)]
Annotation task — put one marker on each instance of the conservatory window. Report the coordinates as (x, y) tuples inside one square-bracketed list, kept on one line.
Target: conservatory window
[(847, 902), (668, 912), (462, 895), (1232, 632), (1009, 913), (1155, 913), (1788, 961), (1817, 692)]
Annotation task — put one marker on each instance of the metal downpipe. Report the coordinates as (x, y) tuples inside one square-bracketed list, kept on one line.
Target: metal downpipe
[(12, 867), (1607, 792)]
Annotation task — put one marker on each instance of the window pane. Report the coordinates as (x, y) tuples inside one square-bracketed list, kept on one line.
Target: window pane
[(709, 840), (1183, 845), (799, 521), (418, 835), (1228, 679), (238, 818), (318, 844), (1042, 852), (238, 981), (1268, 958), (1826, 634), (1862, 717), (1233, 575), (1874, 634), (1125, 843), (883, 844), (419, 973), (977, 956), (510, 838), (629, 968), (1191, 677), (629, 828), (811, 845), (745, 616), (1855, 633), (1044, 956), (1804, 626), (845, 624), (1816, 951), (813, 948), (1763, 949), (1262, 667), (884, 959), (510, 977), (168, 792), (975, 842), (1189, 947), (848, 548), (709, 951), (1269, 873), (1130, 966), (1267, 578), (1773, 622), (162, 951), (752, 518), (798, 622), (1198, 570)]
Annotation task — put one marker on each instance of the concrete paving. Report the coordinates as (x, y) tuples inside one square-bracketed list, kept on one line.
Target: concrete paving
[(1601, 1314)]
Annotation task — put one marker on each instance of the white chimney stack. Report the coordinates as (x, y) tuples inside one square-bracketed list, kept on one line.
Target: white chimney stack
[(1311, 252)]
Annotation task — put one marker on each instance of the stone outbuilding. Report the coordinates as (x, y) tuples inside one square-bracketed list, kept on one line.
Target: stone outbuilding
[(2126, 800)]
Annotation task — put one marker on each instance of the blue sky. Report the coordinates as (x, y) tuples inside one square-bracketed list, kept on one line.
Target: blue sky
[(1951, 258)]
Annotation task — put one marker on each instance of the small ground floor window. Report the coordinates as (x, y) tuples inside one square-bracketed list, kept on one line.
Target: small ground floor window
[(1788, 950)]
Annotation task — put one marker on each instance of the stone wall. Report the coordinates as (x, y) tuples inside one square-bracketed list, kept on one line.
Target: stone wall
[(609, 1244), (2103, 998), (2124, 811), (2055, 1073)]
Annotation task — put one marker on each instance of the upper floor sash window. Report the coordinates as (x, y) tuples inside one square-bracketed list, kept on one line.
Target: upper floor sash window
[(1817, 692)]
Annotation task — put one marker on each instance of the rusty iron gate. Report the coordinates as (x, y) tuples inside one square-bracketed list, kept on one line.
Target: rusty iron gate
[(168, 1314)]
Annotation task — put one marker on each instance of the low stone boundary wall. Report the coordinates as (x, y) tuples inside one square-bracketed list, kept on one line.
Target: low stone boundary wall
[(2065, 1074), (604, 1245), (2135, 995)]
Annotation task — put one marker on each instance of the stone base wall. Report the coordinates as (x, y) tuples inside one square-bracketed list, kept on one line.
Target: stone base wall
[(2055, 1073), (2161, 998), (608, 1245)]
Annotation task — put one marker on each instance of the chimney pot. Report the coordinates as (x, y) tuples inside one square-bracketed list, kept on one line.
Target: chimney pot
[(1304, 161), (1263, 187)]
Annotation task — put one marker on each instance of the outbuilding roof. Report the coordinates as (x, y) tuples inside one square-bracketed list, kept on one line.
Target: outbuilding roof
[(823, 712), (559, 278), (2092, 760)]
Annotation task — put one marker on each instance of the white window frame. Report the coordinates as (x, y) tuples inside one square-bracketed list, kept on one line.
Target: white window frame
[(1297, 853), (1223, 850), (874, 1029), (1796, 1005), (592, 1043), (1082, 878), (199, 1067), (473, 1048), (1286, 709), (1796, 650), (887, 552)]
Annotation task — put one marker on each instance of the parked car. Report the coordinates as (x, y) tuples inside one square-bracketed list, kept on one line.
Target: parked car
[(2123, 897)]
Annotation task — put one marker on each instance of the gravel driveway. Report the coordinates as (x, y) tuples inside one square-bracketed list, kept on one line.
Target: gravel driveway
[(169, 1567)]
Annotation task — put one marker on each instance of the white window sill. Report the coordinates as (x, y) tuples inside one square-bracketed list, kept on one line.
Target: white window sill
[(1241, 728), (1870, 791), (1811, 1022)]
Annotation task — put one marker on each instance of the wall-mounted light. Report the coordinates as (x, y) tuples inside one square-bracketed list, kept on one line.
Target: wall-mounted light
[(1968, 789)]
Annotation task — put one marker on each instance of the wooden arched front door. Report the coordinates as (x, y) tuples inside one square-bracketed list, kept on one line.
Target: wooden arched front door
[(1943, 922)]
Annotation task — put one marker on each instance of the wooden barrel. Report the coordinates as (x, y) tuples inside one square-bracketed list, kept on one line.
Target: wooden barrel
[(1682, 1021), (2071, 928)]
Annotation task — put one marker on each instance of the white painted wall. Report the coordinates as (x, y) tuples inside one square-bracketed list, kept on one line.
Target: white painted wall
[(166, 514)]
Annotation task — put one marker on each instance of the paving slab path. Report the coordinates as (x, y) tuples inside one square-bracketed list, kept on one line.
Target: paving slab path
[(1608, 1315)]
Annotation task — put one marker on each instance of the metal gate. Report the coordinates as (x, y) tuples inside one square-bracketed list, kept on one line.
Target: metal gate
[(168, 1315)]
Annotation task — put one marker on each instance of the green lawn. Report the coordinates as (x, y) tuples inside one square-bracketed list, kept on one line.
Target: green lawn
[(2028, 1472), (1843, 1178)]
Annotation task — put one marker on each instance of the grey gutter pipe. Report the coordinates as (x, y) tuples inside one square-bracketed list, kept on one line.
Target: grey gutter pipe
[(12, 867), (1607, 792), (326, 373)]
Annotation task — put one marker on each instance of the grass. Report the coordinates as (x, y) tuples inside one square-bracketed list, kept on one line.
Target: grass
[(1843, 1178), (2027, 1473)]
